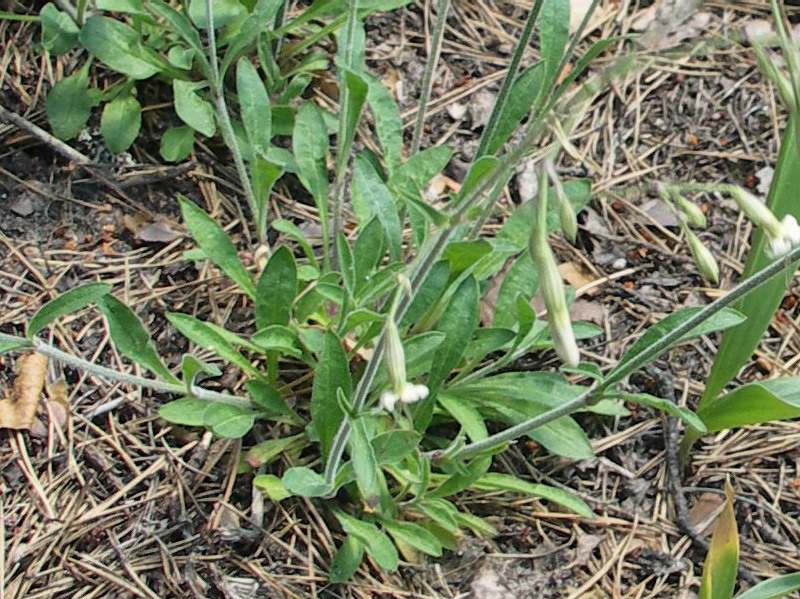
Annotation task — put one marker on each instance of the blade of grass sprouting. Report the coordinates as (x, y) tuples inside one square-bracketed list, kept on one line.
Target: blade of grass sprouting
[(739, 343), (442, 8), (722, 561)]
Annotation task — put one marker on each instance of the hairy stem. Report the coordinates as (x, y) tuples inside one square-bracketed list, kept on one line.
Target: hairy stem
[(645, 357), (131, 379)]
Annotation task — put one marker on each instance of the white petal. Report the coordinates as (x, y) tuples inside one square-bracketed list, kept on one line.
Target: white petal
[(409, 393), (778, 247), (422, 391), (388, 399), (791, 230)]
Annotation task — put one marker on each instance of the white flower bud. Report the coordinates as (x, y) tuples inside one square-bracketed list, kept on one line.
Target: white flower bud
[(554, 299), (692, 211), (704, 258)]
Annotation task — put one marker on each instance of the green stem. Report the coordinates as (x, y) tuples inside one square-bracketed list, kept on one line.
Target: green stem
[(131, 379), (430, 68), (508, 80), (645, 357), (226, 128)]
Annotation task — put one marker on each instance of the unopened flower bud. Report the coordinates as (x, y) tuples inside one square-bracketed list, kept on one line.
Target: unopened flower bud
[(554, 299), (704, 258), (694, 215)]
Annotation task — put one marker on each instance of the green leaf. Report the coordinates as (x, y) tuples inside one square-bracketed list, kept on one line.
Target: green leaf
[(332, 373), (120, 123), (180, 24), (130, 336), (461, 255), (69, 104), (457, 323), (186, 412), (277, 288), (667, 406), (66, 303), (269, 450), (554, 34), (264, 175), (310, 146), (224, 12), (414, 535), (304, 482), (132, 7), (204, 336), (504, 482), (477, 525), (466, 415), (758, 308), (176, 144), (10, 343), (119, 46), (287, 227), (272, 486), (463, 479), (191, 367), (442, 512), (347, 560), (377, 544), (372, 198), (481, 170), (59, 31), (388, 124), (369, 477), (722, 561), (255, 107), (354, 98), (723, 319), (410, 177), (216, 244), (228, 422), (270, 401), (279, 338), (774, 588), (775, 399), (392, 446), (524, 91), (192, 109), (428, 293)]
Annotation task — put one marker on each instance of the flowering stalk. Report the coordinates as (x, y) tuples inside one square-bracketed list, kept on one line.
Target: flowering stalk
[(566, 213), (395, 360), (551, 285), (782, 236)]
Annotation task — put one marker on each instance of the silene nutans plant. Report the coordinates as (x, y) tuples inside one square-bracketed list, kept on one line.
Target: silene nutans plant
[(385, 390)]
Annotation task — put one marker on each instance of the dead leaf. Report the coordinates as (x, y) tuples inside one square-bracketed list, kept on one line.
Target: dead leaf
[(158, 232), (440, 186), (19, 409), (55, 409), (574, 274), (669, 22), (587, 311), (703, 514)]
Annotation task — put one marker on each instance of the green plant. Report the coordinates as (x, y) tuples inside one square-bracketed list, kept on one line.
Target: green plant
[(722, 561), (772, 399), (407, 383)]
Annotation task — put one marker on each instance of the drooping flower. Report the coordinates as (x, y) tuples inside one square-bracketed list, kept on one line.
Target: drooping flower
[(782, 236), (400, 389)]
